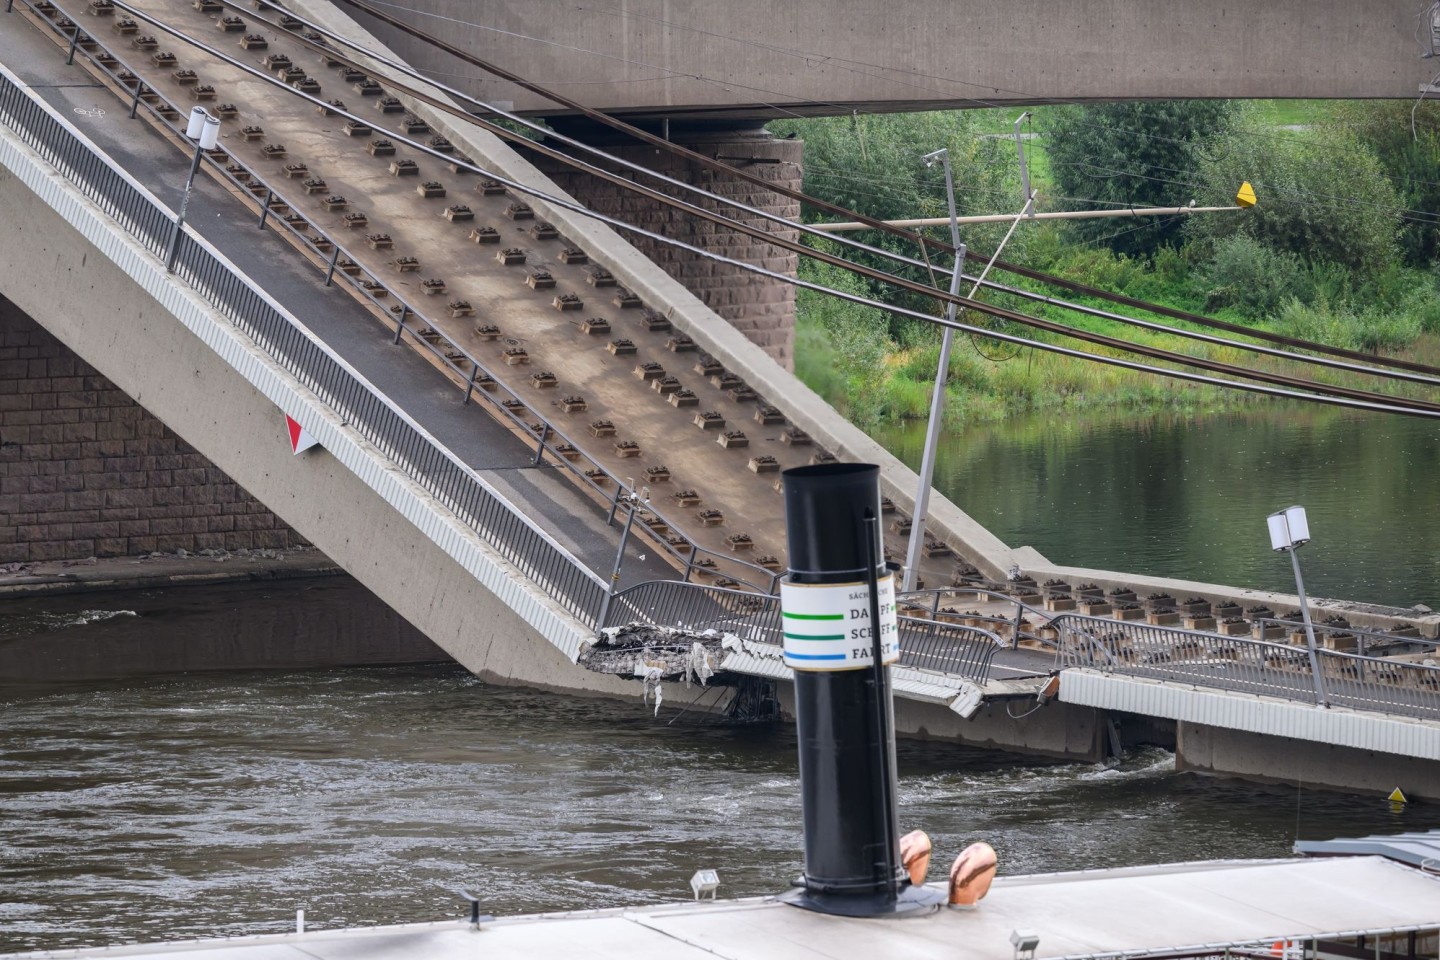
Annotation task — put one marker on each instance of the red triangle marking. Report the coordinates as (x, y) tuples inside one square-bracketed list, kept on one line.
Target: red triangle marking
[(295, 431)]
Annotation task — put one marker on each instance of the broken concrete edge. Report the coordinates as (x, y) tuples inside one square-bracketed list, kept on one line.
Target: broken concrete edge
[(713, 333), (435, 521)]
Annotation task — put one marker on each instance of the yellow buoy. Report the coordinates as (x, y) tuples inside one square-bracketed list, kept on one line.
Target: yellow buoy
[(1398, 796), (1246, 195)]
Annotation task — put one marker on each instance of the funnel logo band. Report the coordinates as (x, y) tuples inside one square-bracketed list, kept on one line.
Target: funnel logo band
[(827, 626)]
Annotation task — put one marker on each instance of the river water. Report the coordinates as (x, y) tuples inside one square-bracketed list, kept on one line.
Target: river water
[(1187, 497), (218, 804)]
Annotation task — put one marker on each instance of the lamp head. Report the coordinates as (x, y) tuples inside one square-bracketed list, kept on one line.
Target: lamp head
[(1289, 528), (203, 128), (930, 158)]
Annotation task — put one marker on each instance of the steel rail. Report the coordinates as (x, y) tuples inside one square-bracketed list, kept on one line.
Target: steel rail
[(754, 576)]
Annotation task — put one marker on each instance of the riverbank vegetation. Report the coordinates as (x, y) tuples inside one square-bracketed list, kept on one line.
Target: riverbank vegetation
[(1341, 248)]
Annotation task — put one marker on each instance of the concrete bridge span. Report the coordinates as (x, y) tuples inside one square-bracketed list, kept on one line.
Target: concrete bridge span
[(740, 61), (195, 355)]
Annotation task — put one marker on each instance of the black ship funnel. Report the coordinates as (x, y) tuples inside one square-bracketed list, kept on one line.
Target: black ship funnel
[(836, 590)]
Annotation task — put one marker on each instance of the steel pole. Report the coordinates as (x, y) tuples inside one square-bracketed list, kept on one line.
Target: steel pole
[(1322, 699), (937, 396), (615, 571), (174, 250)]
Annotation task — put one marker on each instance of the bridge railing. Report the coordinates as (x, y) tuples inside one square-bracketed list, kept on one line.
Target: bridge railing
[(504, 527), (327, 251), (1022, 623), (1244, 665), (924, 644)]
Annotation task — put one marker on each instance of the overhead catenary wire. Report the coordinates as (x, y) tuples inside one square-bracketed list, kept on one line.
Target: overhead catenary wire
[(1317, 391), (919, 239), (912, 286), (989, 284)]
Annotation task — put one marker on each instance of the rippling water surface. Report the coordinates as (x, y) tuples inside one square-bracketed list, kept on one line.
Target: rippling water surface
[(1187, 496), (217, 804)]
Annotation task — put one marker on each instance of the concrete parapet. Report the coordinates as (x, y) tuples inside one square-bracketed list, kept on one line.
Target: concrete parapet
[(1270, 759)]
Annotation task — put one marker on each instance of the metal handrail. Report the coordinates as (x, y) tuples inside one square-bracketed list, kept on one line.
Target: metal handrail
[(371, 414), (684, 556), (924, 644), (1361, 633), (1012, 625), (1246, 665)]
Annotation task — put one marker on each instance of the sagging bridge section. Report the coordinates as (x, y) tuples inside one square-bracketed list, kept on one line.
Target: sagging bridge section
[(510, 576)]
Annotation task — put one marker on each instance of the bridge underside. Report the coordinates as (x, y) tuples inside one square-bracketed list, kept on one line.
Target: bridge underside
[(686, 60)]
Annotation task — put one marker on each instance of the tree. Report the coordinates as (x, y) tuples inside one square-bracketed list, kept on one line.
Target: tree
[(1409, 154), (1323, 199), (1139, 154), (871, 163)]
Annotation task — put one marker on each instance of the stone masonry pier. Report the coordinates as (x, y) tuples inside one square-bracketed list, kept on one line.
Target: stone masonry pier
[(85, 471)]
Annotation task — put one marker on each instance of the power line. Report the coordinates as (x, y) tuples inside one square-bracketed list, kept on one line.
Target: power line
[(921, 240), (1320, 392), (836, 261)]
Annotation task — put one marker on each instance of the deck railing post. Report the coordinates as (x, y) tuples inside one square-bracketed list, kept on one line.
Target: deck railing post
[(470, 384)]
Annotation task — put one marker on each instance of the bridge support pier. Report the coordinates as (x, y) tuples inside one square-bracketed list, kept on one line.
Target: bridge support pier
[(761, 308)]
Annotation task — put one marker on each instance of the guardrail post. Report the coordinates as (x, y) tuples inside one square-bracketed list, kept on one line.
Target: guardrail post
[(9, 5), (470, 385), (1019, 616), (540, 447), (689, 563), (400, 326), (135, 103), (334, 259), (615, 505), (74, 42), (935, 606), (265, 207)]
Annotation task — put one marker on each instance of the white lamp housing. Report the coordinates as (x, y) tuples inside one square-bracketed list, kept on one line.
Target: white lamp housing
[(1025, 942), (210, 133), (203, 128), (705, 883), (1289, 528), (196, 123)]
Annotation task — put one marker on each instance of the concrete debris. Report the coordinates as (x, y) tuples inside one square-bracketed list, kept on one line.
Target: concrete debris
[(651, 654)]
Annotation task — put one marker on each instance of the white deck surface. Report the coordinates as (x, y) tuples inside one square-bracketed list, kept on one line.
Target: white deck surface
[(1097, 913)]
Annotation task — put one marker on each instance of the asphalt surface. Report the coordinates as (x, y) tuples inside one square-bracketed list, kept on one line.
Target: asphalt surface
[(341, 322)]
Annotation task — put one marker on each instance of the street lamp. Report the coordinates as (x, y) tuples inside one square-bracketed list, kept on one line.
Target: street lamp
[(942, 370), (1289, 531), (632, 501), (205, 131), (937, 398)]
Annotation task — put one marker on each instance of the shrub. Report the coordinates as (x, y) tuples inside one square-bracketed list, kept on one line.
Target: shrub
[(1320, 199), (1246, 274)]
